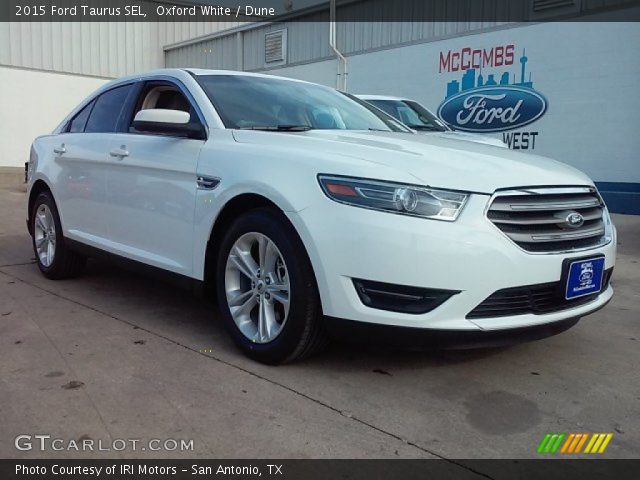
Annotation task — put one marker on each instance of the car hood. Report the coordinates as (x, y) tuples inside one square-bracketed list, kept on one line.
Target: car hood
[(436, 161), (470, 137)]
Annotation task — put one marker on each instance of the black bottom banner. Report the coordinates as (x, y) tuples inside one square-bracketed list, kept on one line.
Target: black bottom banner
[(48, 469)]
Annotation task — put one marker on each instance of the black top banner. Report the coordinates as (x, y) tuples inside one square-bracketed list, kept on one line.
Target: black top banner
[(317, 10)]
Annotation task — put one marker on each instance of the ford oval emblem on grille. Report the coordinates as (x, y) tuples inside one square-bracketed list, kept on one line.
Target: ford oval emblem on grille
[(574, 220)]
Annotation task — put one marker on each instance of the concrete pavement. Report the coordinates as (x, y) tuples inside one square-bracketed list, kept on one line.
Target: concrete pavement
[(116, 355)]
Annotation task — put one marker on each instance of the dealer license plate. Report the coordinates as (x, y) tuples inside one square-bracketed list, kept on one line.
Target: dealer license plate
[(584, 277)]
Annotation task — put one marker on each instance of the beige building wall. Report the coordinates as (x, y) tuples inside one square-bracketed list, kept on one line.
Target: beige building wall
[(34, 103), (46, 69), (108, 49)]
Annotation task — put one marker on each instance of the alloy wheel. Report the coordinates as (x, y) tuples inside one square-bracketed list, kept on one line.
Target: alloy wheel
[(45, 235), (257, 287)]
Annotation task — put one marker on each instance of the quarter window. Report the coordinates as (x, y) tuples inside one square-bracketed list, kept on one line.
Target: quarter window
[(80, 120), (107, 109)]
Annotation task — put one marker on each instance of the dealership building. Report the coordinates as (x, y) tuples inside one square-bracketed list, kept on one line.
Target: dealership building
[(563, 84)]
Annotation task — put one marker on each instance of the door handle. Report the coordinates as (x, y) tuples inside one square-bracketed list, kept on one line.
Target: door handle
[(207, 183), (60, 150), (119, 152)]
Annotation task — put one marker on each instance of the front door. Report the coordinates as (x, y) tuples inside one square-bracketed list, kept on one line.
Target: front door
[(151, 187)]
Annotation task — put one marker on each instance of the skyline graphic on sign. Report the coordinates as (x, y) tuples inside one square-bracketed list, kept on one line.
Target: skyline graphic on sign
[(469, 80)]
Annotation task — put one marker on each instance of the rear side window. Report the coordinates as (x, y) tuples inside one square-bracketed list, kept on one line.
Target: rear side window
[(80, 120), (106, 111)]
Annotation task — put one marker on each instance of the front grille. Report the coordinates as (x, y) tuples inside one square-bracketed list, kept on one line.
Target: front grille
[(537, 299), (551, 219)]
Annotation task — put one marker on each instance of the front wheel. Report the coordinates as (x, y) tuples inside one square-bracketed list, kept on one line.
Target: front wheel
[(266, 289)]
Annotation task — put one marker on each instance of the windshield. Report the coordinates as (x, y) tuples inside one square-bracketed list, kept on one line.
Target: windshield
[(411, 114), (274, 104)]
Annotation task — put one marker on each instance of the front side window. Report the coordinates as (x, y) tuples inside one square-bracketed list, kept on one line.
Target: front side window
[(106, 111), (259, 103), (411, 114)]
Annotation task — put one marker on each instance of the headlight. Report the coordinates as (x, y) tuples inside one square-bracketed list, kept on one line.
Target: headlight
[(608, 224), (606, 219), (394, 197), (31, 165)]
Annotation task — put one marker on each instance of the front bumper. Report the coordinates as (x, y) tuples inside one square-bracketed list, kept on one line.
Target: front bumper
[(469, 255), (428, 339)]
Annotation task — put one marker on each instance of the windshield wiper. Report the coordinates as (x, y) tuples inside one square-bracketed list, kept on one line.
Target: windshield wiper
[(279, 128), (426, 128)]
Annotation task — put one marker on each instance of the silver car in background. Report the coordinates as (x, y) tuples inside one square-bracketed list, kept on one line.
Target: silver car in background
[(420, 119)]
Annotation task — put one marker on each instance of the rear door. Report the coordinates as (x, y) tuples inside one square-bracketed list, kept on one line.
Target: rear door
[(151, 184), (80, 153)]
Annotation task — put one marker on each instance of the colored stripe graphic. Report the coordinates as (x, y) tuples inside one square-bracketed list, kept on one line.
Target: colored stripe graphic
[(543, 443), (598, 443), (573, 443), (551, 442)]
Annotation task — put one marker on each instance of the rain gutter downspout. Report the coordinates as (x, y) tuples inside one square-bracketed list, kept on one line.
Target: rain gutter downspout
[(332, 43)]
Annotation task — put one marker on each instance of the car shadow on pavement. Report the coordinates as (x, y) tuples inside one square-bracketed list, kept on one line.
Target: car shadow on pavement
[(157, 305)]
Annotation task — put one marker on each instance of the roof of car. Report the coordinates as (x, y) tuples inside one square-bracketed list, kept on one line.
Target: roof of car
[(203, 71), (380, 97), (178, 72)]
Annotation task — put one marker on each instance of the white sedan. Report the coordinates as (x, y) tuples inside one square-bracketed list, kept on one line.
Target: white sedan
[(311, 213)]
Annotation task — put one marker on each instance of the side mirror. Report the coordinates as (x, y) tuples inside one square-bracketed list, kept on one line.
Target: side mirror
[(169, 122)]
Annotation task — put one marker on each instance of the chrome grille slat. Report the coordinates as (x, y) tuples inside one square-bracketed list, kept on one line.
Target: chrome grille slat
[(555, 236), (537, 219), (525, 203)]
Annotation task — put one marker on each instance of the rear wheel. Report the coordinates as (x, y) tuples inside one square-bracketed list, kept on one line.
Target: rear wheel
[(267, 291), (53, 256)]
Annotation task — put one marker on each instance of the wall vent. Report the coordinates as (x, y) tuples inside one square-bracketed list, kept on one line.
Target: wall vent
[(275, 47), (546, 9), (545, 5)]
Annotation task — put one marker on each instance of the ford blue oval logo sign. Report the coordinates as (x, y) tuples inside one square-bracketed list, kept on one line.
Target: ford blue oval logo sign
[(493, 109)]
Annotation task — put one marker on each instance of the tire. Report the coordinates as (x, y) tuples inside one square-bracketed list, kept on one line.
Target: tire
[(290, 332), (47, 233)]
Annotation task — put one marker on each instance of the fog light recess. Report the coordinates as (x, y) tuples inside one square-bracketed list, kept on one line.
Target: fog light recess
[(400, 298)]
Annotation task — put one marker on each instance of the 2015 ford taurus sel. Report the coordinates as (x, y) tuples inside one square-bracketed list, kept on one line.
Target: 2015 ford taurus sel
[(311, 212)]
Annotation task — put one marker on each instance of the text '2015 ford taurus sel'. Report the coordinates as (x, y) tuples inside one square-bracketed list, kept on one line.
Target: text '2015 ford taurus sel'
[(311, 212)]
